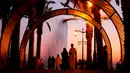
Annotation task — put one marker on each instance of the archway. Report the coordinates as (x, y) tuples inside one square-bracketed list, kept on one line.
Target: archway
[(64, 12), (14, 19), (117, 22), (16, 16)]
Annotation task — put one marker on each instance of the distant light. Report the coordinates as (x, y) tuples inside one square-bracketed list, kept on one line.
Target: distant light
[(90, 4), (75, 33)]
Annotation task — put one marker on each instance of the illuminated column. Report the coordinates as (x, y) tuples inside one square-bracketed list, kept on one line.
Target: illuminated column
[(89, 33)]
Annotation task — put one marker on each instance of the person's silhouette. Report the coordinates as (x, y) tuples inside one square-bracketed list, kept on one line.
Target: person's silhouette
[(64, 55), (49, 62), (53, 62)]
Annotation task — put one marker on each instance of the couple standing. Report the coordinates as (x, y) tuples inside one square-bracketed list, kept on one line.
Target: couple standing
[(71, 60)]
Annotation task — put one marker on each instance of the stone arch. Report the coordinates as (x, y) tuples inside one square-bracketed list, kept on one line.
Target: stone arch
[(65, 12)]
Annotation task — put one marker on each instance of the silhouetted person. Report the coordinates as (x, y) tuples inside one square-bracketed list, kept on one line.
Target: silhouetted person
[(64, 55), (105, 57), (117, 66), (72, 57), (49, 62), (79, 63), (58, 61), (53, 62)]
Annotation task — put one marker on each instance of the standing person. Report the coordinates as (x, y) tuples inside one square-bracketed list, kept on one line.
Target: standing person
[(72, 57), (58, 61), (53, 62), (64, 55), (49, 62)]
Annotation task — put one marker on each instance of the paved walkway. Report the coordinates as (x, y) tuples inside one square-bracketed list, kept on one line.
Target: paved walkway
[(57, 71)]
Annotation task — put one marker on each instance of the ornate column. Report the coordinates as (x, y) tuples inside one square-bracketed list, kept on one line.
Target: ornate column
[(89, 34)]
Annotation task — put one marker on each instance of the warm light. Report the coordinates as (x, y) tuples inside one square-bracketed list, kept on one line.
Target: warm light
[(90, 4), (75, 33), (100, 11), (91, 25)]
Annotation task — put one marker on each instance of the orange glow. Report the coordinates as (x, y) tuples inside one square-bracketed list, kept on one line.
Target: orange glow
[(100, 11), (90, 4), (91, 25)]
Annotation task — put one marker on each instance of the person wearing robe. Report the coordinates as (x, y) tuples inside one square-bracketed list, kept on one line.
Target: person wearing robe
[(58, 61), (72, 57), (49, 62), (64, 55), (53, 62)]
